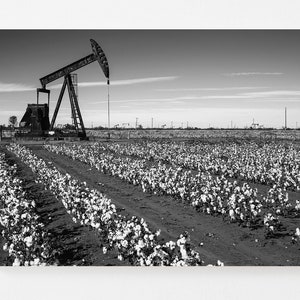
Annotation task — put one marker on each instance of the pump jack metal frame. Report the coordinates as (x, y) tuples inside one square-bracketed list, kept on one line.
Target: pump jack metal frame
[(38, 91), (97, 55), (76, 114)]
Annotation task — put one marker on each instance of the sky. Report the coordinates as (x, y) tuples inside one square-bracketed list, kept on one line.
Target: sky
[(199, 78)]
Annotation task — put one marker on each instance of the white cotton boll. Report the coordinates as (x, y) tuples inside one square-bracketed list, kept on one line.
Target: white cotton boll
[(148, 262), (220, 264), (23, 216), (104, 249), (44, 254), (5, 247), (26, 263), (180, 263), (151, 237), (297, 234), (95, 207), (16, 262), (11, 247), (124, 243), (141, 261), (141, 244), (36, 262), (28, 241), (120, 257), (183, 252), (138, 227), (171, 245)]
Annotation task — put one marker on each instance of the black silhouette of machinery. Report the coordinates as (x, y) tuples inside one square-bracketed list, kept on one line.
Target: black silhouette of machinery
[(36, 116)]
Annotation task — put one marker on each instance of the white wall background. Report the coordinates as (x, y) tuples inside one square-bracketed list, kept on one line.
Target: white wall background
[(149, 283)]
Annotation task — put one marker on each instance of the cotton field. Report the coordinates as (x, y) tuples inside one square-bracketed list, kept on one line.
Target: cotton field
[(151, 203)]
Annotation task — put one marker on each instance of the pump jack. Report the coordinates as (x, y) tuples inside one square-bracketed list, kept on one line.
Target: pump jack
[(66, 72)]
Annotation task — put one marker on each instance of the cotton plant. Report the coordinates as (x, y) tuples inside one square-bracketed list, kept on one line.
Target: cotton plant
[(272, 224)]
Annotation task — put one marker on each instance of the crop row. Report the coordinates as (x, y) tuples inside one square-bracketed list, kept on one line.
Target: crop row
[(269, 164), (26, 240)]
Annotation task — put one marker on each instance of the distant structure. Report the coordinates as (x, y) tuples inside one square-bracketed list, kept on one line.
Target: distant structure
[(256, 125)]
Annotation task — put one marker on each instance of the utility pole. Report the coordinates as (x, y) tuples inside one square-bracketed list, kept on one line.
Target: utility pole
[(108, 112), (285, 118), (172, 124), (152, 123), (136, 122)]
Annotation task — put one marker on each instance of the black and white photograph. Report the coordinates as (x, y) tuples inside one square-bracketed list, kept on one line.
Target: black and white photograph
[(150, 148)]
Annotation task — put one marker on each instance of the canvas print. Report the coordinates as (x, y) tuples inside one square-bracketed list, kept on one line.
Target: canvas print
[(149, 148)]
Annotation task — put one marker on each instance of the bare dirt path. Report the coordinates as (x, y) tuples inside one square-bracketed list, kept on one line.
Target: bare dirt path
[(77, 245), (232, 244)]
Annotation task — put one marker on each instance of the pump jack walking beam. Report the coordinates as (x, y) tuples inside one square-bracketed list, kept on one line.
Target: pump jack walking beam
[(97, 54)]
